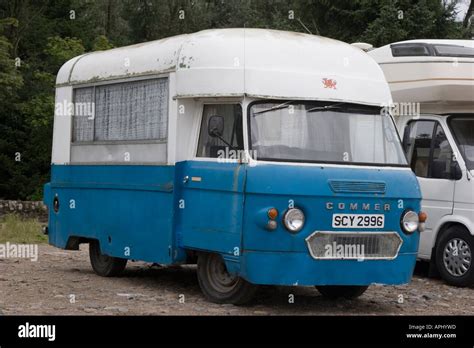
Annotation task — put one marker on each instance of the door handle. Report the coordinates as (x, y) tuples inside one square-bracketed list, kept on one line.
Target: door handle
[(185, 179)]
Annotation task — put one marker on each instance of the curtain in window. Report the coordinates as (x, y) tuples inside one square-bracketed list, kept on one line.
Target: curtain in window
[(83, 121), (127, 111)]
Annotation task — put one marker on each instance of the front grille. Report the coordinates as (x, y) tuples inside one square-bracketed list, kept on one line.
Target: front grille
[(343, 186), (354, 245)]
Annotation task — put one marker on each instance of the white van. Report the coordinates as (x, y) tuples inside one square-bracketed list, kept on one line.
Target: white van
[(436, 78)]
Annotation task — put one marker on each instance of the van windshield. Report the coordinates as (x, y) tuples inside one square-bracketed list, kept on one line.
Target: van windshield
[(463, 130), (325, 133)]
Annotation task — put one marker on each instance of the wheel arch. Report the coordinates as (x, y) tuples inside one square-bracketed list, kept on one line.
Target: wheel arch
[(232, 262), (443, 227), (73, 242)]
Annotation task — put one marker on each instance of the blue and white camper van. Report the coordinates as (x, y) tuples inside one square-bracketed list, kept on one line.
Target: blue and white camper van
[(261, 155)]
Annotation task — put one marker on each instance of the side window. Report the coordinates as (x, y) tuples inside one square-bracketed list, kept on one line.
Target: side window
[(442, 155), (124, 111), (410, 50), (121, 122), (428, 150), (232, 135)]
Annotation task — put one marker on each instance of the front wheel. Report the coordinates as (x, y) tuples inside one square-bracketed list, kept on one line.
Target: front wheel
[(218, 285), (104, 265), (341, 291), (454, 254)]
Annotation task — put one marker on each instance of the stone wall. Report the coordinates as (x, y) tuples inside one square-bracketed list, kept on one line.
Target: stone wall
[(25, 209)]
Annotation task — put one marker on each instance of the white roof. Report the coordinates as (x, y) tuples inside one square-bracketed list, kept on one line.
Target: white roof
[(236, 62), (440, 84), (384, 54)]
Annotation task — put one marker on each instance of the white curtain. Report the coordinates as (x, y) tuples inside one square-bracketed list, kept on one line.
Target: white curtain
[(126, 111), (83, 124)]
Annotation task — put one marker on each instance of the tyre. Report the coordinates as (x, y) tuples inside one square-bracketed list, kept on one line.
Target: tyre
[(103, 265), (218, 285), (454, 252), (341, 291)]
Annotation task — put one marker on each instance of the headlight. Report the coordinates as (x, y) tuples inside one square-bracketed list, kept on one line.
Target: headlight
[(293, 220), (410, 221)]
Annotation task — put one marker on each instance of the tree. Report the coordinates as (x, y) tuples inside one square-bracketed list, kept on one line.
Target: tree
[(10, 131), (468, 17), (101, 43), (388, 27), (37, 37)]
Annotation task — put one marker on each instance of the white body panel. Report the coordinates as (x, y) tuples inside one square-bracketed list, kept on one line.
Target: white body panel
[(215, 65), (445, 201), (62, 127), (440, 84), (443, 86)]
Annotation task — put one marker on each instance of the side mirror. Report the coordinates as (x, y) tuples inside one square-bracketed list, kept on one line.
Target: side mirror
[(456, 172), (215, 126)]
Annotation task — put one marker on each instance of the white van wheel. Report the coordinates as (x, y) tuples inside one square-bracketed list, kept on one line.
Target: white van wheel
[(104, 265), (218, 285), (454, 256)]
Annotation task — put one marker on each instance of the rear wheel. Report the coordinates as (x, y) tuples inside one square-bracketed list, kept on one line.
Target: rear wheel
[(218, 285), (104, 265), (454, 253), (341, 291)]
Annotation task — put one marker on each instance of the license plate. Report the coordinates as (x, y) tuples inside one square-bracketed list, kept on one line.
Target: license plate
[(358, 221)]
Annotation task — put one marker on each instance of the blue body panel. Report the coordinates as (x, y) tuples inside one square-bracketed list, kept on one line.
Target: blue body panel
[(277, 268), (308, 187), (221, 207), (212, 216), (121, 206)]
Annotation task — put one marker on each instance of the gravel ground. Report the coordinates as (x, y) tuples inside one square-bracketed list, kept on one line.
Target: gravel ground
[(62, 282)]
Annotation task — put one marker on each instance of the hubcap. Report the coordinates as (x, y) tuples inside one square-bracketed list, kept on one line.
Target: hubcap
[(220, 279), (457, 257)]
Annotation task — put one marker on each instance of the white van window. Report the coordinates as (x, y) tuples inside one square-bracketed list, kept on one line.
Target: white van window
[(463, 130), (454, 51), (410, 50), (232, 138), (83, 126), (301, 131), (126, 111), (428, 150)]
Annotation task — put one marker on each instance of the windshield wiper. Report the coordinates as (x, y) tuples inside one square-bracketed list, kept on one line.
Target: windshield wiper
[(326, 107), (277, 107)]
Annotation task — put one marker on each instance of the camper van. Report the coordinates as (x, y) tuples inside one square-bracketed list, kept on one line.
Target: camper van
[(436, 77), (263, 156)]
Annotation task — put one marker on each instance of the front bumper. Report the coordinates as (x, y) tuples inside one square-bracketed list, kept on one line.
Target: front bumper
[(286, 268)]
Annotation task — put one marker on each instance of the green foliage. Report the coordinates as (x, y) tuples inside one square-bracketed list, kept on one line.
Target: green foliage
[(10, 79), (37, 37), (388, 27), (101, 43), (61, 50)]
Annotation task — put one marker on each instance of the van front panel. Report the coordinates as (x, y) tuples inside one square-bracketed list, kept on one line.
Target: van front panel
[(281, 257)]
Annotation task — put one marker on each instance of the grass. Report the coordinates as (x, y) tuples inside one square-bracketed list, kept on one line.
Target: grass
[(15, 229)]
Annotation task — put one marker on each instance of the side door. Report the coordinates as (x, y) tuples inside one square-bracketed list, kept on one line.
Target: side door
[(211, 197), (430, 156)]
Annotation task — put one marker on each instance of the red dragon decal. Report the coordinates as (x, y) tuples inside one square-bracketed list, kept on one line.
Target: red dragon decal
[(329, 83)]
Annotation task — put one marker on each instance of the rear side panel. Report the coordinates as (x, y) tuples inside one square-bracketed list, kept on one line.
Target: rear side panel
[(129, 209)]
